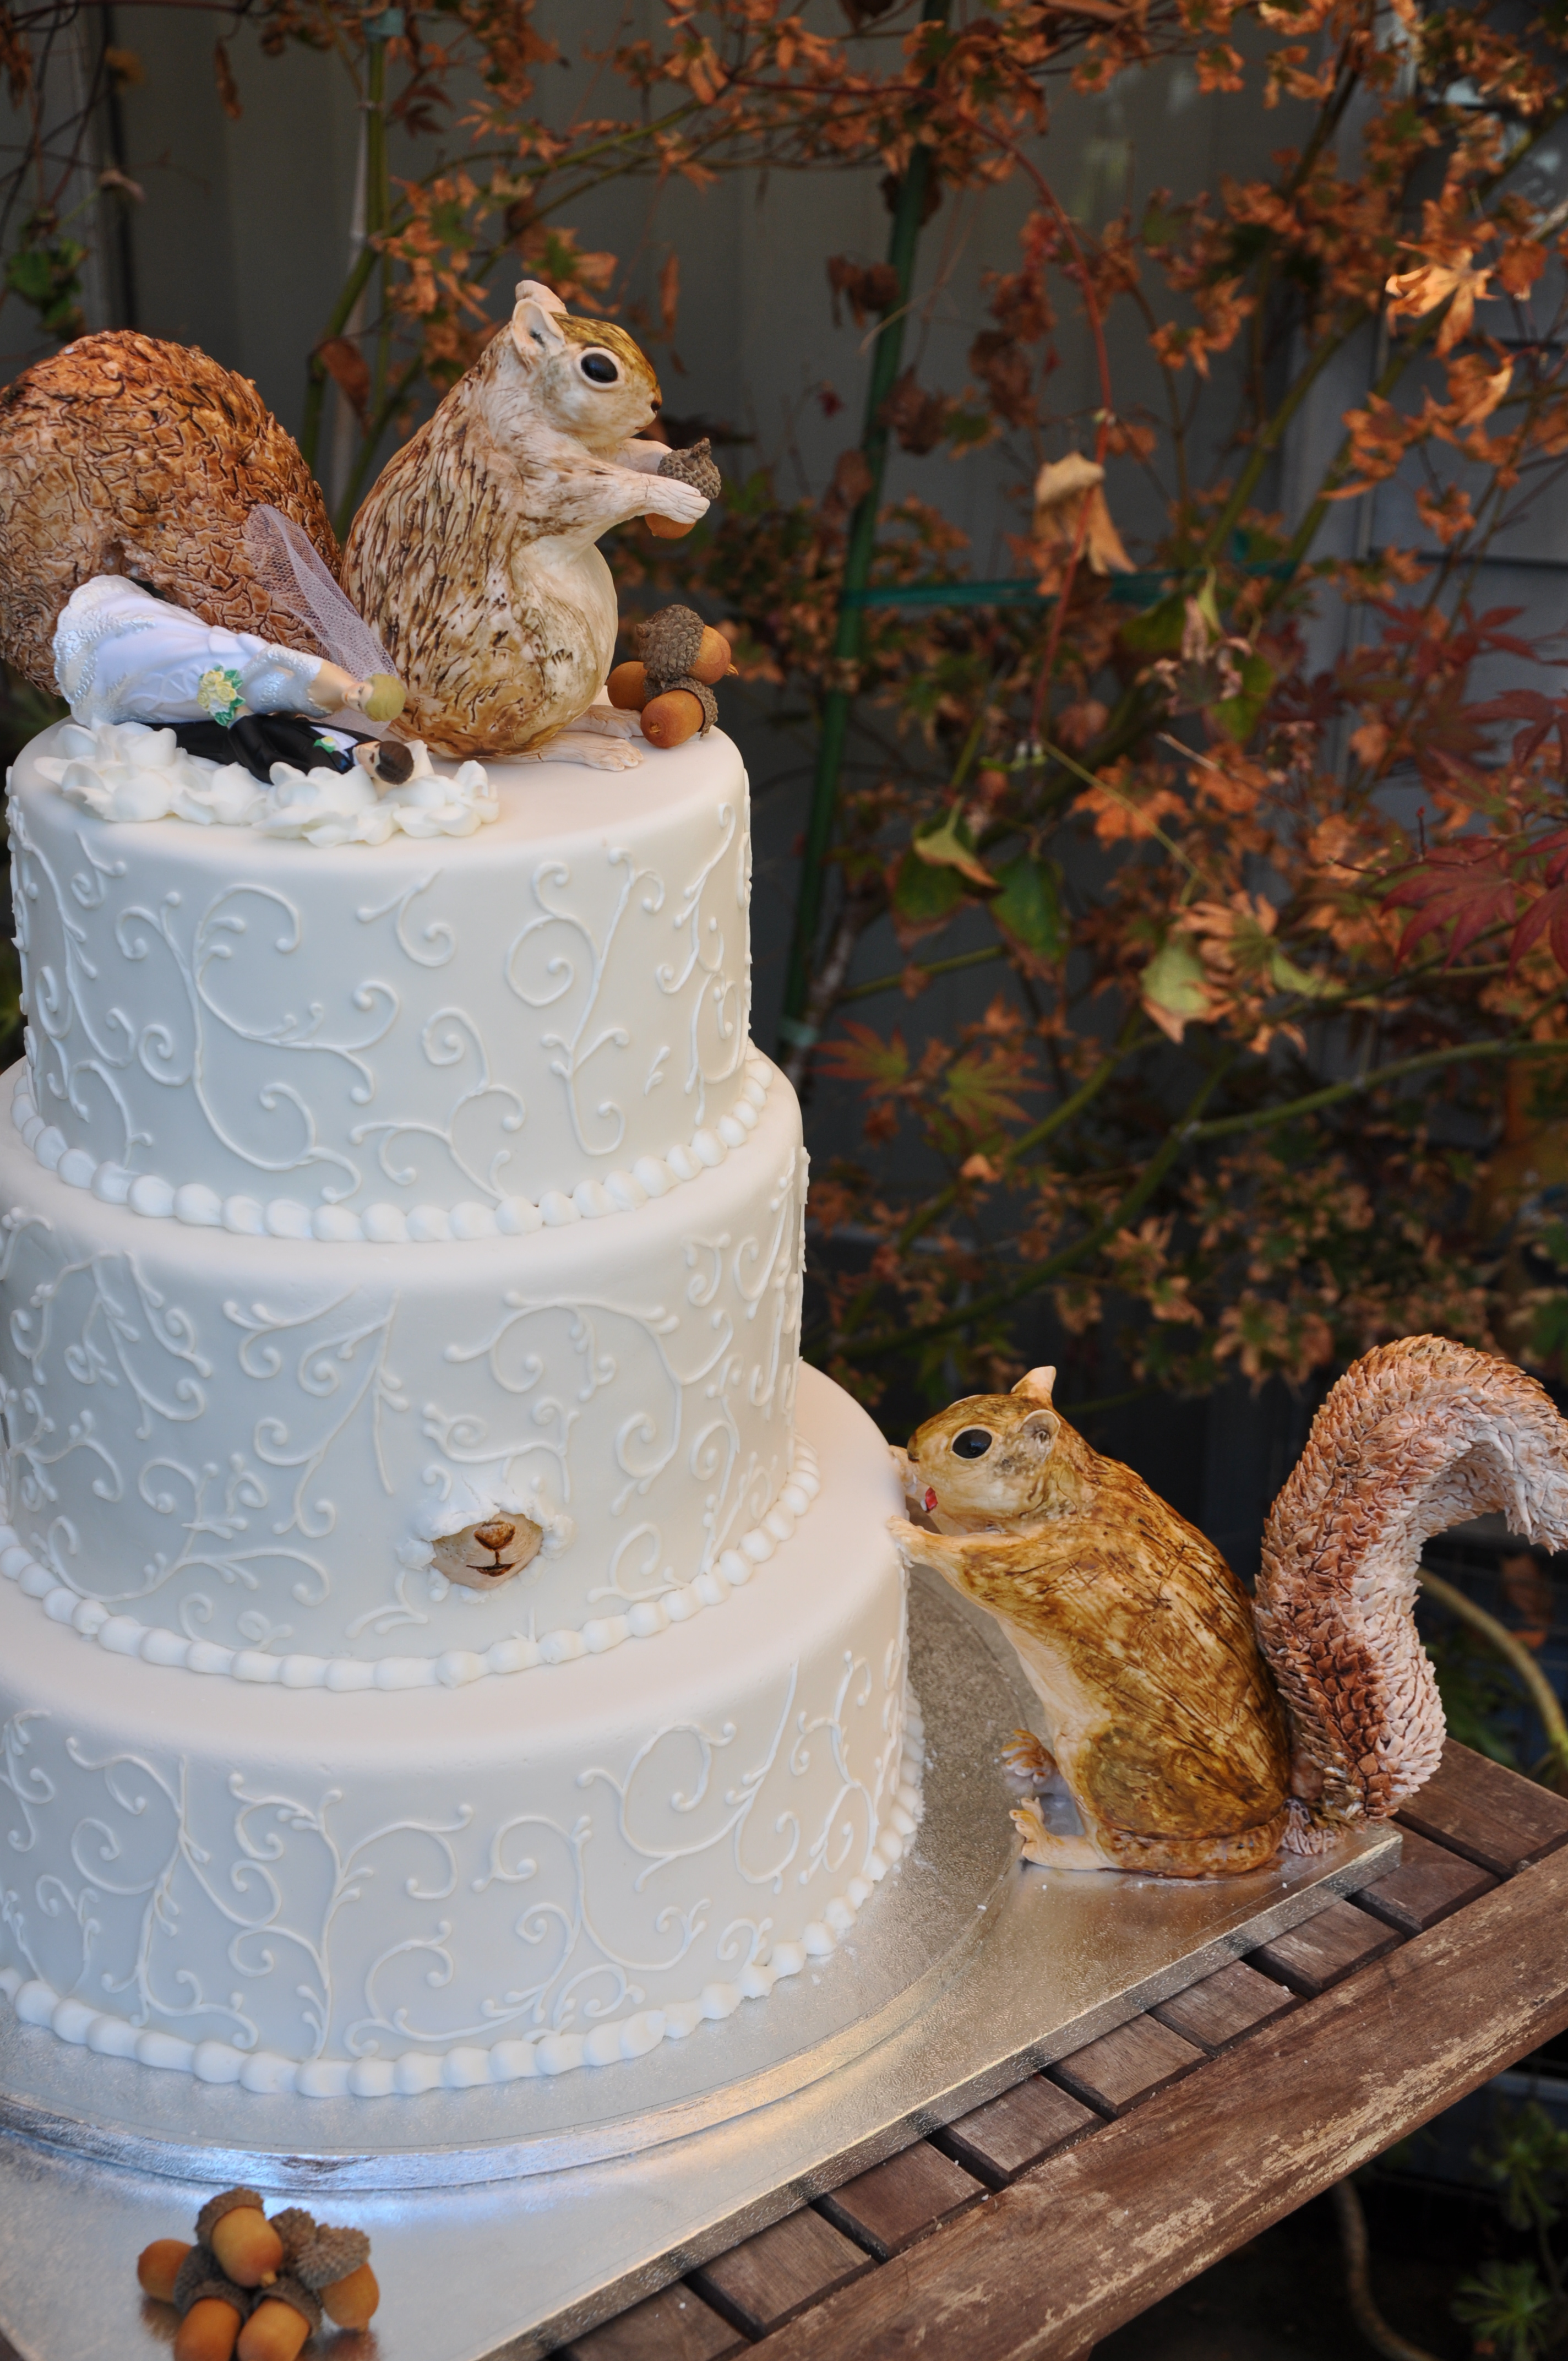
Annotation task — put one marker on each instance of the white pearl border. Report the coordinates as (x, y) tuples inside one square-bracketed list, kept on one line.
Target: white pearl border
[(465, 2067), (124, 1635), (384, 1224)]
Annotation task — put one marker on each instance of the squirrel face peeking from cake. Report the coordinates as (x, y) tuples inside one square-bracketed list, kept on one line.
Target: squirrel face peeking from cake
[(484, 1556)]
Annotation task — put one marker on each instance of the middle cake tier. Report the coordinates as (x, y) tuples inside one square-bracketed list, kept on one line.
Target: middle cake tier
[(251, 1455)]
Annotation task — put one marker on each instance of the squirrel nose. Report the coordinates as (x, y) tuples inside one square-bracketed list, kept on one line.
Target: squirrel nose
[(495, 1535)]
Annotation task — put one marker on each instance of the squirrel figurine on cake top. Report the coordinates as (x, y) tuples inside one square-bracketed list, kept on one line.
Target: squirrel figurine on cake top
[(1198, 1731), (471, 570)]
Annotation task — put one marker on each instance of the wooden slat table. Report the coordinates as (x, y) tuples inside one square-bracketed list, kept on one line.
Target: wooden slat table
[(1071, 2202)]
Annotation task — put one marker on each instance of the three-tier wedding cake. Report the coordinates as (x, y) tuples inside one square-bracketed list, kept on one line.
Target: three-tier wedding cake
[(445, 1638)]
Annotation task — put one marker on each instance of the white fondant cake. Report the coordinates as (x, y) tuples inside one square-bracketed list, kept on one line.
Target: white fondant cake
[(381, 1893), (354, 1195), (480, 1024)]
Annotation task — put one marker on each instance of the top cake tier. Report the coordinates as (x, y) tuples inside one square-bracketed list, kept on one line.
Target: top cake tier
[(420, 1038)]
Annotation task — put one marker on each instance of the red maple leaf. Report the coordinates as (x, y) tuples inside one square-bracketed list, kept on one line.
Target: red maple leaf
[(1467, 885)]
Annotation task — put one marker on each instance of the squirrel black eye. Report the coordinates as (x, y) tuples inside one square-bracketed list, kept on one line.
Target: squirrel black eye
[(972, 1443), (599, 368)]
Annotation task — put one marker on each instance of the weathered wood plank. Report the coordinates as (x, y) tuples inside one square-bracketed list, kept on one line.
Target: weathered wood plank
[(896, 2202), (1225, 2007), (1092, 2236), (1429, 1884), (1325, 1949), (767, 2279), (1491, 1815), (1031, 2120), (1123, 2069), (673, 2326)]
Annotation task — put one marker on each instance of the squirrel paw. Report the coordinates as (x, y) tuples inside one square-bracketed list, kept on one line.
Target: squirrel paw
[(666, 496), (908, 1540), (1024, 1756)]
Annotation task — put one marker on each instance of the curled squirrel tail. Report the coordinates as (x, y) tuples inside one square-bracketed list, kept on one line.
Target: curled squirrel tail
[(1415, 1437)]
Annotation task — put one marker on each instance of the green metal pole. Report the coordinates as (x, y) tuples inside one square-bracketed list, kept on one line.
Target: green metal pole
[(794, 1033)]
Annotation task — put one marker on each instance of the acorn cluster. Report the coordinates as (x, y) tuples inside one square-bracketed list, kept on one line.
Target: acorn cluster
[(252, 2288), (672, 687)]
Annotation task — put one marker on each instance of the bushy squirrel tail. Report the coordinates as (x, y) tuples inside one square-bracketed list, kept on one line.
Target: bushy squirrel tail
[(1415, 1437)]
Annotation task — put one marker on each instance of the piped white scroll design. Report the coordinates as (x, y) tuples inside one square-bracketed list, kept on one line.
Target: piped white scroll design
[(717, 1002), (273, 1895), (665, 1387), (564, 961), (257, 1912), (114, 1333), (78, 1035)]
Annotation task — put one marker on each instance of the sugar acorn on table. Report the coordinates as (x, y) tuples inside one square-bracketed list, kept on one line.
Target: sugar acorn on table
[(254, 2289)]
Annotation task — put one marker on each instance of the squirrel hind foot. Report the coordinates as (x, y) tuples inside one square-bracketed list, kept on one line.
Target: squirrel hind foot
[(594, 751), (1045, 1848)]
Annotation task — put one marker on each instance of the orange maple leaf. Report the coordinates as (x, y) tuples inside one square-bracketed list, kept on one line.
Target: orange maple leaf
[(1062, 490), (1431, 284)]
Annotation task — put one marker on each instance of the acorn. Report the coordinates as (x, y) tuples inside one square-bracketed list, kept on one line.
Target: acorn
[(158, 2267), (248, 2249), (712, 657), (671, 719), (627, 687), (337, 2264), (351, 2303), (212, 2309), (209, 2330), (286, 2314), (666, 527)]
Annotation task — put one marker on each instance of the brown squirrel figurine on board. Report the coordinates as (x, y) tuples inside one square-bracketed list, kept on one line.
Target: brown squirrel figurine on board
[(1196, 1730)]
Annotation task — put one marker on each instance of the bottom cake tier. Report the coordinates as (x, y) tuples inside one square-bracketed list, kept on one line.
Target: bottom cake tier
[(379, 1893)]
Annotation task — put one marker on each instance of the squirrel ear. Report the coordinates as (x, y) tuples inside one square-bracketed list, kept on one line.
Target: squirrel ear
[(533, 324), (1038, 1386), (543, 295)]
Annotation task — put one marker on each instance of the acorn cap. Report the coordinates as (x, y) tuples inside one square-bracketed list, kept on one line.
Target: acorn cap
[(330, 2255), (296, 2228), (668, 642), (231, 2200), (695, 465), (201, 2274), (293, 2291), (705, 698)]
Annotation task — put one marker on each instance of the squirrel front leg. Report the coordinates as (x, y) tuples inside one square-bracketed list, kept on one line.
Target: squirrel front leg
[(620, 493), (958, 1556)]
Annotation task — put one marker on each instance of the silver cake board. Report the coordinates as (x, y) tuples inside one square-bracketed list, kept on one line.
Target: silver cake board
[(506, 2219)]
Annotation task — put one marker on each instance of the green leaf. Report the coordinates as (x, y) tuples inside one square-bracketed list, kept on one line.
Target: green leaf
[(950, 845), (1286, 976), (1158, 630), (1174, 985), (923, 896), (1238, 716), (1028, 907)]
